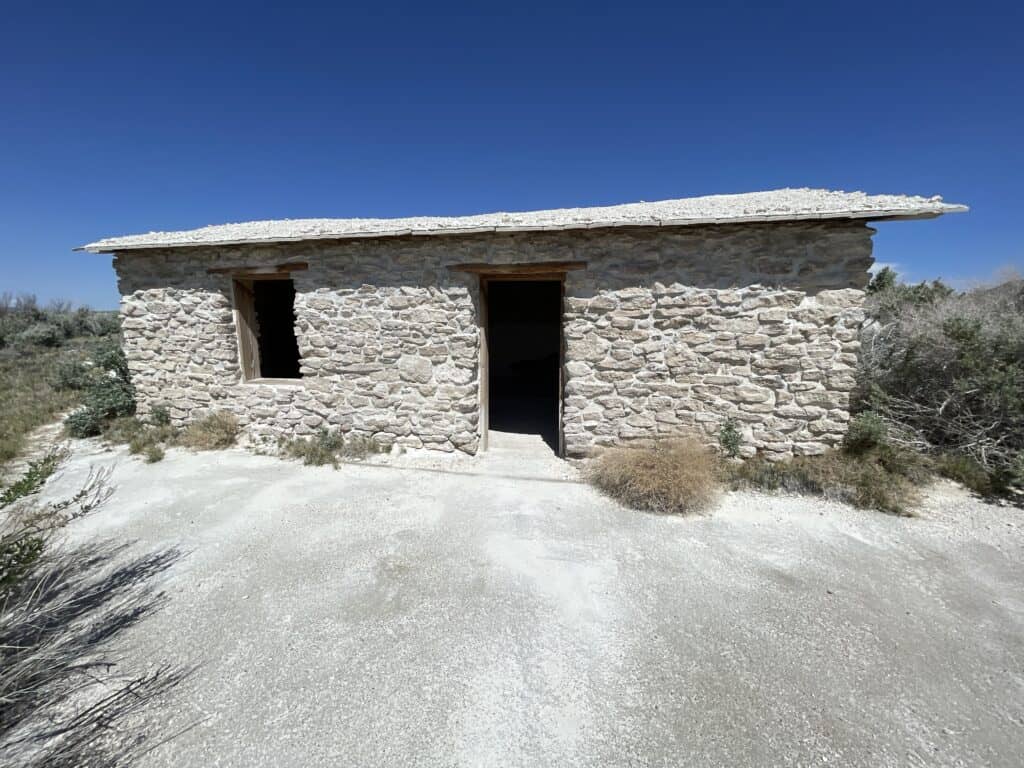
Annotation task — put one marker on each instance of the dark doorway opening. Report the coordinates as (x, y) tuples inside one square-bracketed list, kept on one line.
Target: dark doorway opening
[(524, 352), (274, 304)]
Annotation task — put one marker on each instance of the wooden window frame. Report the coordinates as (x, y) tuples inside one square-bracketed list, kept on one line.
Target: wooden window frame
[(247, 323)]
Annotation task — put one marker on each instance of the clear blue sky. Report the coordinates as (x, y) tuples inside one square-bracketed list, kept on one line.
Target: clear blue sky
[(120, 118)]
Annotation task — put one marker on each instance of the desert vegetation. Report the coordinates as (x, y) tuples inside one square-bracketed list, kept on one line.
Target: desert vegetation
[(151, 437), (329, 447), (944, 371), (45, 362)]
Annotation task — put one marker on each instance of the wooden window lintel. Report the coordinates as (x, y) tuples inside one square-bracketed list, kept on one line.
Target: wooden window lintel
[(534, 268), (282, 270)]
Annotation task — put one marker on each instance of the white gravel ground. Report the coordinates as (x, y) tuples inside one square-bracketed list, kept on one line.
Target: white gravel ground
[(493, 612)]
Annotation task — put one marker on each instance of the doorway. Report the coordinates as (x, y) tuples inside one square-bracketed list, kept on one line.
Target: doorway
[(524, 357)]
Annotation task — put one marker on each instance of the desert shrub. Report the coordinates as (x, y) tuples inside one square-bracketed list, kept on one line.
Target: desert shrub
[(93, 323), (40, 335), (213, 432), (918, 468), (966, 471), (70, 374), (729, 439), (83, 423), (329, 447), (882, 479), (122, 430), (35, 475), (360, 446), (107, 395), (945, 370), (159, 416), (149, 437), (153, 454), (864, 432), (675, 476), (140, 437), (883, 280), (25, 324), (109, 355)]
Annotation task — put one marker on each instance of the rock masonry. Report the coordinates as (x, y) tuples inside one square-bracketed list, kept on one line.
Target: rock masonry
[(667, 331)]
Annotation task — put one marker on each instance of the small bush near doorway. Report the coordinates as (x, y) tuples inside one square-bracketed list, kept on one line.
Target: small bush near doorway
[(677, 476)]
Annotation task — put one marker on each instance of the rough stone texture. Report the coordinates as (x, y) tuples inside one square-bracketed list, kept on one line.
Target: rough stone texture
[(668, 330), (777, 205)]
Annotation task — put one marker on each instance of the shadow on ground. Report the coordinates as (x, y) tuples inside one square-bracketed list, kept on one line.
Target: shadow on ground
[(64, 700)]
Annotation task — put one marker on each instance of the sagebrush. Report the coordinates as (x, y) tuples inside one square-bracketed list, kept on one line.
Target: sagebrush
[(215, 431), (329, 447), (945, 370), (676, 476)]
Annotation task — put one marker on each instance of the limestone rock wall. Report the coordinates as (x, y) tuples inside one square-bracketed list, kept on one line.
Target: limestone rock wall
[(666, 331)]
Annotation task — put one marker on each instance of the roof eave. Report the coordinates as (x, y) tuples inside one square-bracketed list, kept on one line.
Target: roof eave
[(903, 214)]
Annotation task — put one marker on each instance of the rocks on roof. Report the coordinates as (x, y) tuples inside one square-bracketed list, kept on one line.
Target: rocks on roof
[(775, 205)]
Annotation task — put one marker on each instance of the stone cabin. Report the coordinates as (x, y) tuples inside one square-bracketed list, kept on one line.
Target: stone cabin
[(590, 326)]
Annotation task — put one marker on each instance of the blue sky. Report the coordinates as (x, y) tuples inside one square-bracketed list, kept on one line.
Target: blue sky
[(127, 117)]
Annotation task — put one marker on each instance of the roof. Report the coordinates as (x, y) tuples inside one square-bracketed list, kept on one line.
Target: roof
[(777, 205)]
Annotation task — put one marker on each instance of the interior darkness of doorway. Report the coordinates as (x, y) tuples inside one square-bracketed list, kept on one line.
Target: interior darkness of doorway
[(524, 353), (275, 318)]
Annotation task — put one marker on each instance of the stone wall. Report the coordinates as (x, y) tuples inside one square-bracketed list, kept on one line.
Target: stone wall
[(667, 331)]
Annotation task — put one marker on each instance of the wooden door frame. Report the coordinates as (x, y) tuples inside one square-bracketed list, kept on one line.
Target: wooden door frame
[(532, 274)]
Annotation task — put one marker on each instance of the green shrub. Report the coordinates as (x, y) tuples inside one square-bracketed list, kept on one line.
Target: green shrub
[(110, 356), (99, 323), (884, 280), (159, 416), (109, 397), (83, 423), (214, 432), (865, 431), (675, 476), (33, 478), (70, 374), (729, 439), (41, 335)]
